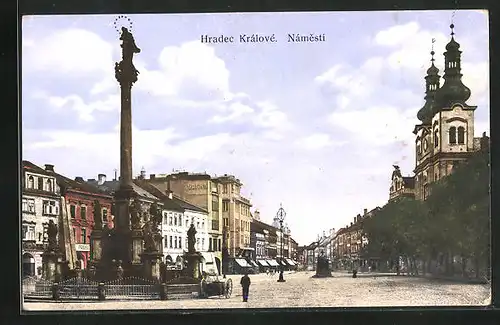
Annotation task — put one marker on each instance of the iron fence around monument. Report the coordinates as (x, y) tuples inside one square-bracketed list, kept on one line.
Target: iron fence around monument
[(132, 288), (36, 288), (78, 288)]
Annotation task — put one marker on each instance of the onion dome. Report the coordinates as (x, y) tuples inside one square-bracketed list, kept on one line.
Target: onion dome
[(453, 90), (431, 86)]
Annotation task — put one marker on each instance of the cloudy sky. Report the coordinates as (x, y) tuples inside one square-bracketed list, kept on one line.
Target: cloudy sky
[(314, 126)]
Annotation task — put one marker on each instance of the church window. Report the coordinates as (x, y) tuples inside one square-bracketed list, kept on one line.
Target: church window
[(31, 182), (436, 138), (461, 135), (452, 135)]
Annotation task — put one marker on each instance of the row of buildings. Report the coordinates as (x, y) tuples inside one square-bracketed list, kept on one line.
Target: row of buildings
[(227, 230), (443, 140)]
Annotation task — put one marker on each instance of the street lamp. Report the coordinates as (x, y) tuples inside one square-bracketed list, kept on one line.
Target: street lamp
[(280, 216)]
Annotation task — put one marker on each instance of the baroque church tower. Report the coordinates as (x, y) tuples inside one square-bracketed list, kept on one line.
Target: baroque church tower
[(445, 136)]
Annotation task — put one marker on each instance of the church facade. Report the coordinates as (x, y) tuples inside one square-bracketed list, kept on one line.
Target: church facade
[(445, 136)]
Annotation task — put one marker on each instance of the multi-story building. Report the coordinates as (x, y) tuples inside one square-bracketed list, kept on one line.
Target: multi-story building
[(235, 214), (401, 186), (40, 205), (201, 191), (79, 205)]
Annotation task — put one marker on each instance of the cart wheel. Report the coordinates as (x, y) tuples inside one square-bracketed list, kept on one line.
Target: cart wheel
[(228, 288)]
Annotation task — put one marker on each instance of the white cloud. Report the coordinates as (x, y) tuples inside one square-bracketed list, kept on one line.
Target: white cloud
[(71, 53), (317, 141), (237, 111)]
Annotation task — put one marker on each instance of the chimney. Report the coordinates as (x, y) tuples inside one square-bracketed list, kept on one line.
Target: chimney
[(152, 176), (79, 179), (351, 224), (49, 168), (355, 218), (365, 212), (101, 178), (256, 215), (170, 194)]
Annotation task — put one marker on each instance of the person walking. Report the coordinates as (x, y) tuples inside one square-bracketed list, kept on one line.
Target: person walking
[(245, 285)]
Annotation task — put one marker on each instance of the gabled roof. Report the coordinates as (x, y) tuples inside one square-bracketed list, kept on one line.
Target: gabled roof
[(67, 184), (168, 204), (31, 167)]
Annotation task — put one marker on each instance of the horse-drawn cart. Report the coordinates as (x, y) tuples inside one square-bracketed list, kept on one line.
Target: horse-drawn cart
[(211, 286)]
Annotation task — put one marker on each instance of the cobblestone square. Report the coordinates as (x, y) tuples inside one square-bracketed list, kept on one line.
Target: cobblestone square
[(300, 290)]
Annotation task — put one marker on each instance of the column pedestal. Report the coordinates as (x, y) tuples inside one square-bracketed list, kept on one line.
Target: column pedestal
[(193, 264), (96, 245), (51, 266), (151, 263), (136, 247)]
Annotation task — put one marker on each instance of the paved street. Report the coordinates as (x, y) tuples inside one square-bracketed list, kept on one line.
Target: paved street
[(300, 290)]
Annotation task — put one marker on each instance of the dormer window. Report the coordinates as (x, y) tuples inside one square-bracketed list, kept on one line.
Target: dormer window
[(461, 135), (40, 183), (452, 134), (31, 182)]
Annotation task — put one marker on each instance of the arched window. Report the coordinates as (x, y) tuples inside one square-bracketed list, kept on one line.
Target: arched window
[(453, 135), (50, 185), (461, 135), (436, 138), (31, 182)]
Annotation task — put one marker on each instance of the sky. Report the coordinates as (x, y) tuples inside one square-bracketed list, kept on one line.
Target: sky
[(314, 126)]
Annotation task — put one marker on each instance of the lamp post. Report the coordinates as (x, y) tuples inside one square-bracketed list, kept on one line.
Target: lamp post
[(280, 216)]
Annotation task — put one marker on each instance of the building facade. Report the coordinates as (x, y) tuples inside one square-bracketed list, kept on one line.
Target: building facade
[(40, 204), (79, 205), (236, 214), (201, 191)]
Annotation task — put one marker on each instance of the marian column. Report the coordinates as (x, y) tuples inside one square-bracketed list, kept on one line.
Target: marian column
[(126, 75)]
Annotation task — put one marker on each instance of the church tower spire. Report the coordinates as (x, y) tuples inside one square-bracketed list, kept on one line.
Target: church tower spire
[(431, 86), (453, 90)]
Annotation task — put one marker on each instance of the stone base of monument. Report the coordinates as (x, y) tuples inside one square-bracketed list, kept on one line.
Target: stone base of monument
[(151, 265), (193, 264), (323, 275), (51, 266)]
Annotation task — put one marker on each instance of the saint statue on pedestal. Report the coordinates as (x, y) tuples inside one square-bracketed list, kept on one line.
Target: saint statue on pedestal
[(191, 239)]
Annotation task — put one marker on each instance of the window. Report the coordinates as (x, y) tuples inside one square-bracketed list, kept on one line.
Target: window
[(452, 134), (186, 242), (175, 242), (104, 215), (83, 212), (215, 203), (170, 244), (170, 221), (72, 211), (28, 232), (40, 183), (180, 242), (461, 135), (198, 243), (436, 138), (83, 236), (165, 241), (203, 244), (202, 225), (226, 222), (210, 244), (74, 233), (215, 224), (198, 224), (426, 191), (218, 245), (225, 189), (29, 205), (225, 206), (31, 182), (175, 220), (50, 208), (50, 185)]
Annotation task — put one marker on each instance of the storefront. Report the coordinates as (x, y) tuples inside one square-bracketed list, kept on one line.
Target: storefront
[(82, 254)]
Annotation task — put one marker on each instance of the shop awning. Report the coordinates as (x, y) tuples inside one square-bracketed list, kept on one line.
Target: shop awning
[(289, 261), (263, 262), (253, 263), (272, 263), (281, 262), (241, 262)]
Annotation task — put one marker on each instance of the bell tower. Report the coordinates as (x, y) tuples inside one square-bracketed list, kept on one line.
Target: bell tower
[(446, 135)]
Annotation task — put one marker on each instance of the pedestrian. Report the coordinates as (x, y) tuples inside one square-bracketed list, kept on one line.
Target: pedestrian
[(245, 285)]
